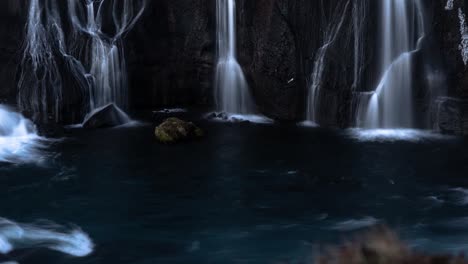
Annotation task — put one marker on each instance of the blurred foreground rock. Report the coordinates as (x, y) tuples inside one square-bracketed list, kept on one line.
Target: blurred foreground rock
[(382, 246)]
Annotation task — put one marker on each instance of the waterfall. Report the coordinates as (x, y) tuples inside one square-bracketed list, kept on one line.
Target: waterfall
[(391, 105), (84, 52), (331, 32), (231, 90)]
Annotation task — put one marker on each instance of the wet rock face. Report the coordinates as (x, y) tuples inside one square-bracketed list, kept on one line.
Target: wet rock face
[(281, 42), (446, 33), (267, 54), (106, 116), (171, 52), (11, 28), (172, 56), (450, 116)]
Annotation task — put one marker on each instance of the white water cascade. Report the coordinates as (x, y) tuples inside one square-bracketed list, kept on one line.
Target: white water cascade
[(106, 60), (19, 142), (91, 56), (231, 90), (391, 106), (330, 34)]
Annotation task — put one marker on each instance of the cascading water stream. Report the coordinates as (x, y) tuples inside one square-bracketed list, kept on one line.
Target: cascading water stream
[(232, 92), (391, 105), (331, 32), (106, 58), (94, 59)]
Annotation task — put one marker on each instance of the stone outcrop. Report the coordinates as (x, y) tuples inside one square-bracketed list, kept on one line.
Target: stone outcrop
[(106, 116), (450, 116)]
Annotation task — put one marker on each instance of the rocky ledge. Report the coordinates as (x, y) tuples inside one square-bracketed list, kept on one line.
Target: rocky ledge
[(450, 116)]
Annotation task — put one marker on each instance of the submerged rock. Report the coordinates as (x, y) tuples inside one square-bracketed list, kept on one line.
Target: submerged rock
[(174, 130), (106, 116)]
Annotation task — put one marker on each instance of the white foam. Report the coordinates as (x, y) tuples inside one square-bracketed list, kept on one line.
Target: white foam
[(462, 195), (308, 124), (19, 142), (435, 200), (74, 126), (71, 242), (133, 123), (171, 111), (321, 217), (385, 135), (238, 118), (354, 224)]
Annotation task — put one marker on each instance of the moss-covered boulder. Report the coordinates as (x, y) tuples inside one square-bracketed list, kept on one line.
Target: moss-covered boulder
[(174, 130)]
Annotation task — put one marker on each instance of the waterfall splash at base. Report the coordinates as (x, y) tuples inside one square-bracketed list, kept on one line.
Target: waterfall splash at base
[(232, 92), (19, 142), (394, 135), (391, 105)]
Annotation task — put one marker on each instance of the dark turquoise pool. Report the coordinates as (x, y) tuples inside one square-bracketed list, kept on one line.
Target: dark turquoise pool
[(246, 193)]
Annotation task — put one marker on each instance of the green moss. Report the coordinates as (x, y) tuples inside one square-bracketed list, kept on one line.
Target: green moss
[(163, 136), (199, 132), (174, 130)]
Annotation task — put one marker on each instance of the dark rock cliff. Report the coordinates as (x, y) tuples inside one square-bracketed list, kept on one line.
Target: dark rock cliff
[(12, 19), (449, 108), (171, 53), (278, 44)]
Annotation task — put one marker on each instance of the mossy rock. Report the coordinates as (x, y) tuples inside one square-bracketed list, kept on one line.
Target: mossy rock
[(174, 130)]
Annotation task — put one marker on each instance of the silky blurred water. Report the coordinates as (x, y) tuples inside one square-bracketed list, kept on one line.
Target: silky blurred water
[(244, 194)]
